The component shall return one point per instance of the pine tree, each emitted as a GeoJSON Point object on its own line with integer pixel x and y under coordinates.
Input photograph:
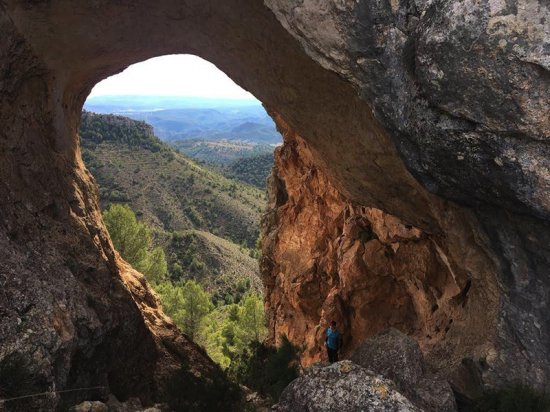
{"type": "Point", "coordinates": [130, 238]}
{"type": "Point", "coordinates": [157, 268]}
{"type": "Point", "coordinates": [252, 320]}
{"type": "Point", "coordinates": [196, 305]}
{"type": "Point", "coordinates": [172, 301]}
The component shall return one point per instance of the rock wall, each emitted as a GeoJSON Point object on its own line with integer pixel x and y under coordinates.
{"type": "Point", "coordinates": [76, 314]}
{"type": "Point", "coordinates": [461, 89]}
{"type": "Point", "coordinates": [328, 258]}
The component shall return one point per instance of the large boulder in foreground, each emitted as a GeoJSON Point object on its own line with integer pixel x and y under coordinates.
{"type": "Point", "coordinates": [342, 387]}
{"type": "Point", "coordinates": [393, 355]}
{"type": "Point", "coordinates": [396, 356]}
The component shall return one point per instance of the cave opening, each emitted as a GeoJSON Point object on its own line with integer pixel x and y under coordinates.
{"type": "Point", "coordinates": [394, 303]}
{"type": "Point", "coordinates": [181, 155]}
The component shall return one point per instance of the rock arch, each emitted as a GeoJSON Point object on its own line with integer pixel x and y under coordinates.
{"type": "Point", "coordinates": [373, 93]}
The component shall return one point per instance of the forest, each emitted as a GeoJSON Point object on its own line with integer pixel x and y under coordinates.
{"type": "Point", "coordinates": [193, 233]}
{"type": "Point", "coordinates": [233, 334]}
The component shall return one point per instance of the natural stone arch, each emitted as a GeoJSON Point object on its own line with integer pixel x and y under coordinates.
{"type": "Point", "coordinates": [83, 43]}
{"type": "Point", "coordinates": [326, 84]}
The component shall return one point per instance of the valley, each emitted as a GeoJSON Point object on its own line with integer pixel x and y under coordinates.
{"type": "Point", "coordinates": [183, 118]}
{"type": "Point", "coordinates": [207, 224]}
{"type": "Point", "coordinates": [247, 163]}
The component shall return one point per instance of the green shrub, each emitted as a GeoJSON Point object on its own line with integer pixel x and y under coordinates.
{"type": "Point", "coordinates": [517, 398]}
{"type": "Point", "coordinates": [267, 369]}
{"type": "Point", "coordinates": [212, 391]}
{"type": "Point", "coordinates": [193, 215]}
{"type": "Point", "coordinates": [177, 270]}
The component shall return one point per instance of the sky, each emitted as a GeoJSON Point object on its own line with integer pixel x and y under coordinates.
{"type": "Point", "coordinates": [177, 75]}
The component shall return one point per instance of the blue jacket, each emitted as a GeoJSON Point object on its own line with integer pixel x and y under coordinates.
{"type": "Point", "coordinates": [333, 339]}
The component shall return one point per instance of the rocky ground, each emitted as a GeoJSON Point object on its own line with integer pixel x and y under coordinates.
{"type": "Point", "coordinates": [386, 373]}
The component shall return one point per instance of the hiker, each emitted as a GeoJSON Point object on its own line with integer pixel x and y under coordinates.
{"type": "Point", "coordinates": [333, 342]}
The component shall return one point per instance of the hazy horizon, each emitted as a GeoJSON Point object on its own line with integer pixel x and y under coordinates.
{"type": "Point", "coordinates": [167, 97]}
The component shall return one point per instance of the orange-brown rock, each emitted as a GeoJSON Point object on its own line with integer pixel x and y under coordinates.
{"type": "Point", "coordinates": [327, 258]}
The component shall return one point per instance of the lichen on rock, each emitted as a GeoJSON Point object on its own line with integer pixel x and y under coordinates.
{"type": "Point", "coordinates": [345, 387]}
{"type": "Point", "coordinates": [397, 357]}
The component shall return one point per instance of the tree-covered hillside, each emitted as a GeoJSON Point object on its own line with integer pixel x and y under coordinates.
{"type": "Point", "coordinates": [96, 129]}
{"type": "Point", "coordinates": [222, 268]}
{"type": "Point", "coordinates": [206, 224]}
{"type": "Point", "coordinates": [219, 152]}
{"type": "Point", "coordinates": [166, 189]}
{"type": "Point", "coordinates": [253, 170]}
{"type": "Point", "coordinates": [247, 163]}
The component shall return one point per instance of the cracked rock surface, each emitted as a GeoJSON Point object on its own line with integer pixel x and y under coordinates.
{"type": "Point", "coordinates": [397, 357]}
{"type": "Point", "coordinates": [342, 386]}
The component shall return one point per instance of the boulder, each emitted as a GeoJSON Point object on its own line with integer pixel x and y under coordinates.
{"type": "Point", "coordinates": [113, 405]}
{"type": "Point", "coordinates": [396, 356]}
{"type": "Point", "coordinates": [88, 406]}
{"type": "Point", "coordinates": [393, 355]}
{"type": "Point", "coordinates": [343, 387]}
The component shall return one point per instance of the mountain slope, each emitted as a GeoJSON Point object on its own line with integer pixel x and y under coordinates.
{"type": "Point", "coordinates": [219, 152]}
{"type": "Point", "coordinates": [166, 189]}
{"type": "Point", "coordinates": [252, 170]}
{"type": "Point", "coordinates": [190, 207]}
{"type": "Point", "coordinates": [221, 267]}
{"type": "Point", "coordinates": [247, 163]}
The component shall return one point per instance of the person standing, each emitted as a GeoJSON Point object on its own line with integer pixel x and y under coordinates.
{"type": "Point", "coordinates": [334, 342]}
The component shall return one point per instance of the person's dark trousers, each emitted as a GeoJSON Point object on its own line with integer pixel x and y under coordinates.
{"type": "Point", "coordinates": [332, 355]}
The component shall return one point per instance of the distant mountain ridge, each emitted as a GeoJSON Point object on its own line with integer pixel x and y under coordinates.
{"type": "Point", "coordinates": [151, 103]}
{"type": "Point", "coordinates": [182, 118]}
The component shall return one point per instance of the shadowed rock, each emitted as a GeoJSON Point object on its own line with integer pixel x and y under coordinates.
{"type": "Point", "coordinates": [395, 356]}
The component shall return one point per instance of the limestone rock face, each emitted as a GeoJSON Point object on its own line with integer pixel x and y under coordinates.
{"type": "Point", "coordinates": [327, 258]}
{"type": "Point", "coordinates": [397, 357]}
{"type": "Point", "coordinates": [76, 314]}
{"type": "Point", "coordinates": [462, 85]}
{"type": "Point", "coordinates": [345, 387]}
{"type": "Point", "coordinates": [461, 88]}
